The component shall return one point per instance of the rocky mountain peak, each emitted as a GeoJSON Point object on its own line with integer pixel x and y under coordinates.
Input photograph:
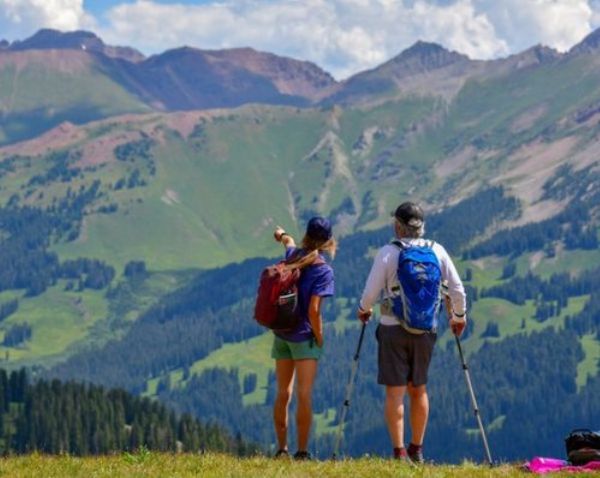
{"type": "Point", "coordinates": [290, 76]}
{"type": "Point", "coordinates": [54, 39]}
{"type": "Point", "coordinates": [589, 44]}
{"type": "Point", "coordinates": [47, 38]}
{"type": "Point", "coordinates": [544, 53]}
{"type": "Point", "coordinates": [424, 56]}
{"type": "Point", "coordinates": [536, 55]}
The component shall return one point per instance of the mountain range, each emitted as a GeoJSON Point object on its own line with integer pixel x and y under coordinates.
{"type": "Point", "coordinates": [138, 196]}
{"type": "Point", "coordinates": [85, 79]}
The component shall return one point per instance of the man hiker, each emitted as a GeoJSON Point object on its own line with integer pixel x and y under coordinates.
{"type": "Point", "coordinates": [407, 275]}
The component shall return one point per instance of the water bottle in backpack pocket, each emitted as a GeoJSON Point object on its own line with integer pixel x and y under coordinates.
{"type": "Point", "coordinates": [287, 310]}
{"type": "Point", "coordinates": [418, 295]}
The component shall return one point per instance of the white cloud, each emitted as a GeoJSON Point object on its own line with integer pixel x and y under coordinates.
{"type": "Point", "coordinates": [556, 23]}
{"type": "Point", "coordinates": [342, 36]}
{"type": "Point", "coordinates": [460, 27]}
{"type": "Point", "coordinates": [20, 18]}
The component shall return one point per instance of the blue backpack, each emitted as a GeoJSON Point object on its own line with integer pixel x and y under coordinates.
{"type": "Point", "coordinates": [419, 297]}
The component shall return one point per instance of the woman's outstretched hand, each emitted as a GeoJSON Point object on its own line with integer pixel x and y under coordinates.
{"type": "Point", "coordinates": [278, 233]}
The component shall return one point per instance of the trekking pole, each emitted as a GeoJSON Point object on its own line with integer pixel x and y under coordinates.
{"type": "Point", "coordinates": [349, 388]}
{"type": "Point", "coordinates": [465, 367]}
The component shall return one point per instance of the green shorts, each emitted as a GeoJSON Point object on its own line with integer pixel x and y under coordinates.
{"type": "Point", "coordinates": [283, 349]}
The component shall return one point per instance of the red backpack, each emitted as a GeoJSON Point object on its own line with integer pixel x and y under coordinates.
{"type": "Point", "coordinates": [277, 298]}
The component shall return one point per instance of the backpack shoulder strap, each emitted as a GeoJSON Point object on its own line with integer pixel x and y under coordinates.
{"type": "Point", "coordinates": [398, 243]}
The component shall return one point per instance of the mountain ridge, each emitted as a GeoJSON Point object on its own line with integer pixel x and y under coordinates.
{"type": "Point", "coordinates": [47, 39]}
{"type": "Point", "coordinates": [189, 78]}
{"type": "Point", "coordinates": [589, 44]}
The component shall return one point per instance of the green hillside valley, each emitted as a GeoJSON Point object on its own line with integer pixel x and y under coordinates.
{"type": "Point", "coordinates": [138, 199]}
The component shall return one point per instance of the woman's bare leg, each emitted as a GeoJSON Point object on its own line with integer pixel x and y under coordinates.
{"type": "Point", "coordinates": [284, 372]}
{"type": "Point", "coordinates": [306, 371]}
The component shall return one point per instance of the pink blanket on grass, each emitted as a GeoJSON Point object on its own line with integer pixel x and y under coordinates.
{"type": "Point", "coordinates": [548, 465]}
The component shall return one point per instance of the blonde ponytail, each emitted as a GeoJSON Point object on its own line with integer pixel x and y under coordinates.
{"type": "Point", "coordinates": [315, 246]}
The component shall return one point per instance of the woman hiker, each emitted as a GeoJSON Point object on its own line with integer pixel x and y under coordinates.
{"type": "Point", "coordinates": [296, 352]}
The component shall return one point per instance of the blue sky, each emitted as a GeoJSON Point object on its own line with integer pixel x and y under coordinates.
{"type": "Point", "coordinates": [98, 7]}
{"type": "Point", "coordinates": [342, 36]}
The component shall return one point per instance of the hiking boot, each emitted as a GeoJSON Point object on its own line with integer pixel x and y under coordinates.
{"type": "Point", "coordinates": [415, 453]}
{"type": "Point", "coordinates": [281, 454]}
{"type": "Point", "coordinates": [302, 455]}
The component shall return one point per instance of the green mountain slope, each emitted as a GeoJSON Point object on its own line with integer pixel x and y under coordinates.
{"type": "Point", "coordinates": [43, 88]}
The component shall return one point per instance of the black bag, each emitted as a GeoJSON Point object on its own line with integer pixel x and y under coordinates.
{"type": "Point", "coordinates": [583, 446]}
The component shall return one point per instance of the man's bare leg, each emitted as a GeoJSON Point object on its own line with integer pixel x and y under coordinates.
{"type": "Point", "coordinates": [394, 414]}
{"type": "Point", "coordinates": [419, 412]}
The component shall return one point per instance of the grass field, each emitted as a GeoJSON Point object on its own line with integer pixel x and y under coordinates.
{"type": "Point", "coordinates": [149, 465]}
{"type": "Point", "coordinates": [249, 356]}
{"type": "Point", "coordinates": [564, 261]}
{"type": "Point", "coordinates": [62, 320]}
{"type": "Point", "coordinates": [511, 319]}
{"type": "Point", "coordinates": [59, 319]}
{"type": "Point", "coordinates": [588, 367]}
{"type": "Point", "coordinates": [325, 422]}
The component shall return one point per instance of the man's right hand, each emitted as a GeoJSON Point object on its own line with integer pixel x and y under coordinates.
{"type": "Point", "coordinates": [364, 315]}
{"type": "Point", "coordinates": [458, 325]}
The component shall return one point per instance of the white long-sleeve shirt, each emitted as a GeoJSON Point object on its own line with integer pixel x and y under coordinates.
{"type": "Point", "coordinates": [383, 277]}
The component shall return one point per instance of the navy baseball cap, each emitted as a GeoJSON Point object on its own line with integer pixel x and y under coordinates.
{"type": "Point", "coordinates": [319, 228]}
{"type": "Point", "coordinates": [410, 214]}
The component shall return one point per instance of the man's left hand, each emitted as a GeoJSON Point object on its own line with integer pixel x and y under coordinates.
{"type": "Point", "coordinates": [364, 315]}
{"type": "Point", "coordinates": [458, 325]}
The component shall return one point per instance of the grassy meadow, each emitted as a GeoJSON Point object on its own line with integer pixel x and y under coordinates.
{"type": "Point", "coordinates": [148, 464]}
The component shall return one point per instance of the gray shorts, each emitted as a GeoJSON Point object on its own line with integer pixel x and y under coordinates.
{"type": "Point", "coordinates": [403, 357]}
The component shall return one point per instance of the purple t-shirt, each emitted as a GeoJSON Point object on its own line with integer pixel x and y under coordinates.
{"type": "Point", "coordinates": [314, 280]}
